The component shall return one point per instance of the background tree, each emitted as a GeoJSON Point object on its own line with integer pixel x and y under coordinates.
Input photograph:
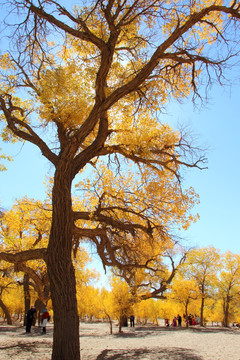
{"type": "Point", "coordinates": [229, 284]}
{"type": "Point", "coordinates": [155, 311]}
{"type": "Point", "coordinates": [184, 291]}
{"type": "Point", "coordinates": [202, 266]}
{"type": "Point", "coordinates": [122, 301]}
{"type": "Point", "coordinates": [26, 227]}
{"type": "Point", "coordinates": [142, 311]}
{"type": "Point", "coordinates": [106, 307]}
{"type": "Point", "coordinates": [153, 280]}
{"type": "Point", "coordinates": [87, 294]}
{"type": "Point", "coordinates": [6, 283]}
{"type": "Point", "coordinates": [214, 310]}
{"type": "Point", "coordinates": [98, 93]}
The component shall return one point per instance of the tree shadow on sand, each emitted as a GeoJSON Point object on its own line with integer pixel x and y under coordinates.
{"type": "Point", "coordinates": [149, 354]}
{"type": "Point", "coordinates": [23, 348]}
{"type": "Point", "coordinates": [19, 347]}
{"type": "Point", "coordinates": [8, 328]}
{"type": "Point", "coordinates": [143, 331]}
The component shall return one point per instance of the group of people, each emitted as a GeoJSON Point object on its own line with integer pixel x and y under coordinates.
{"type": "Point", "coordinates": [31, 319]}
{"type": "Point", "coordinates": [192, 319]}
{"type": "Point", "coordinates": [189, 320]}
{"type": "Point", "coordinates": [177, 321]}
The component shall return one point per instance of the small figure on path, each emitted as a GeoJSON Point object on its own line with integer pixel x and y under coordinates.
{"type": "Point", "coordinates": [30, 318]}
{"type": "Point", "coordinates": [174, 323]}
{"type": "Point", "coordinates": [44, 319]}
{"type": "Point", "coordinates": [179, 319]}
{"type": "Point", "coordinates": [132, 321]}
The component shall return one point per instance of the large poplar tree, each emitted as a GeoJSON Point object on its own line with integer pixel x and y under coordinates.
{"type": "Point", "coordinates": [85, 86]}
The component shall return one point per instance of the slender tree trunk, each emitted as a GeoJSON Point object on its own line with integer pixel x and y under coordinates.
{"type": "Point", "coordinates": [202, 307]}
{"type": "Point", "coordinates": [27, 298]}
{"type": "Point", "coordinates": [120, 326]}
{"type": "Point", "coordinates": [61, 273]}
{"type": "Point", "coordinates": [110, 324]}
{"type": "Point", "coordinates": [6, 312]}
{"type": "Point", "coordinates": [226, 311]}
{"type": "Point", "coordinates": [223, 308]}
{"type": "Point", "coordinates": [186, 312]}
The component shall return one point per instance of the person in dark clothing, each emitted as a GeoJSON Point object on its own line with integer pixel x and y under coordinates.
{"type": "Point", "coordinates": [30, 318]}
{"type": "Point", "coordinates": [179, 319]}
{"type": "Point", "coordinates": [132, 321]}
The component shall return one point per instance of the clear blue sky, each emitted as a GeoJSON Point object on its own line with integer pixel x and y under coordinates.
{"type": "Point", "coordinates": [217, 125]}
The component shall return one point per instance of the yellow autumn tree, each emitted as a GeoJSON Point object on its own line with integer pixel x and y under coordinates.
{"type": "Point", "coordinates": [87, 295]}
{"type": "Point", "coordinates": [149, 310]}
{"type": "Point", "coordinates": [154, 311]}
{"type": "Point", "coordinates": [93, 96]}
{"type": "Point", "coordinates": [142, 311]}
{"type": "Point", "coordinates": [106, 307]}
{"type": "Point", "coordinates": [11, 294]}
{"type": "Point", "coordinates": [167, 310]}
{"type": "Point", "coordinates": [229, 285]}
{"type": "Point", "coordinates": [137, 212]}
{"type": "Point", "coordinates": [236, 314]}
{"type": "Point", "coordinates": [88, 302]}
{"type": "Point", "coordinates": [184, 291]}
{"type": "Point", "coordinates": [6, 285]}
{"type": "Point", "coordinates": [25, 227]}
{"type": "Point", "coordinates": [122, 301]}
{"type": "Point", "coordinates": [214, 311]}
{"type": "Point", "coordinates": [202, 265]}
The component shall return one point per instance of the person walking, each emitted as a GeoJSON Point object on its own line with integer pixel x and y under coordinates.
{"type": "Point", "coordinates": [30, 318]}
{"type": "Point", "coordinates": [132, 321]}
{"type": "Point", "coordinates": [44, 319]}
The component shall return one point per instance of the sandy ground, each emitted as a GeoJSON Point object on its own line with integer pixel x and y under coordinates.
{"type": "Point", "coordinates": [140, 343]}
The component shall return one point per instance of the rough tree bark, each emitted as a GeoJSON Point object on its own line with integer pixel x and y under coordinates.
{"type": "Point", "coordinates": [61, 272]}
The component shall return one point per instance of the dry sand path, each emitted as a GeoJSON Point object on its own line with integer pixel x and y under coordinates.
{"type": "Point", "coordinates": [141, 343]}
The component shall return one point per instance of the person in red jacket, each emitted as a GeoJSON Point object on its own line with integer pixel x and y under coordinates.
{"type": "Point", "coordinates": [44, 319]}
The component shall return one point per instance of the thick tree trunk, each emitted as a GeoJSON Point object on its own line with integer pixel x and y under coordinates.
{"type": "Point", "coordinates": [61, 274]}
{"type": "Point", "coordinates": [6, 312]}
